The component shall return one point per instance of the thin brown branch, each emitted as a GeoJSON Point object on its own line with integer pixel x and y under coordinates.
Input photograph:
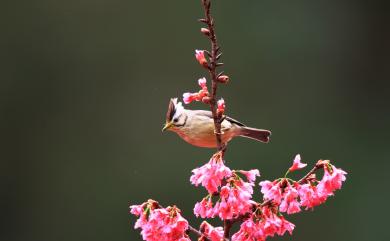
{"type": "Point", "coordinates": [194, 230]}
{"type": "Point", "coordinates": [313, 170]}
{"type": "Point", "coordinates": [214, 56]}
{"type": "Point", "coordinates": [227, 225]}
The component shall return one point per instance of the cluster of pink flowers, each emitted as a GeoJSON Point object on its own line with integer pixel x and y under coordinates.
{"type": "Point", "coordinates": [159, 223]}
{"type": "Point", "coordinates": [211, 174]}
{"type": "Point", "coordinates": [210, 233]}
{"type": "Point", "coordinates": [292, 195]}
{"type": "Point", "coordinates": [233, 190]}
{"type": "Point", "coordinates": [201, 95]}
{"type": "Point", "coordinates": [263, 223]}
{"type": "Point", "coordinates": [234, 197]}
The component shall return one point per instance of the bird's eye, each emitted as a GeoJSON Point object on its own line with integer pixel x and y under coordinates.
{"type": "Point", "coordinates": [175, 120]}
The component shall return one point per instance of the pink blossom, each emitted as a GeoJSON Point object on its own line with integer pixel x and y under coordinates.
{"type": "Point", "coordinates": [211, 174]}
{"type": "Point", "coordinates": [285, 226]}
{"type": "Point", "coordinates": [259, 227]}
{"type": "Point", "coordinates": [297, 164]}
{"type": "Point", "coordinates": [290, 203]}
{"type": "Point", "coordinates": [249, 230]}
{"type": "Point", "coordinates": [251, 174]}
{"type": "Point", "coordinates": [310, 197]}
{"type": "Point", "coordinates": [212, 233]}
{"type": "Point", "coordinates": [204, 208]}
{"type": "Point", "coordinates": [137, 210]}
{"type": "Point", "coordinates": [332, 180]}
{"type": "Point", "coordinates": [271, 190]}
{"type": "Point", "coordinates": [200, 95]}
{"type": "Point", "coordinates": [199, 54]}
{"type": "Point", "coordinates": [275, 224]}
{"type": "Point", "coordinates": [189, 97]}
{"type": "Point", "coordinates": [202, 82]}
{"type": "Point", "coordinates": [235, 199]}
{"type": "Point", "coordinates": [221, 106]}
{"type": "Point", "coordinates": [160, 223]}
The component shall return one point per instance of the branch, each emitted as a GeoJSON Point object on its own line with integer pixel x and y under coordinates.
{"type": "Point", "coordinates": [194, 230]}
{"type": "Point", "coordinates": [227, 225]}
{"type": "Point", "coordinates": [214, 56]}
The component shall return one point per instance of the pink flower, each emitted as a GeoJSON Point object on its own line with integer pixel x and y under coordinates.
{"type": "Point", "coordinates": [271, 190]}
{"type": "Point", "coordinates": [285, 226]}
{"type": "Point", "coordinates": [332, 180]}
{"type": "Point", "coordinates": [297, 164]}
{"type": "Point", "coordinates": [249, 230]}
{"type": "Point", "coordinates": [290, 203]}
{"type": "Point", "coordinates": [211, 174]}
{"type": "Point", "coordinates": [310, 197]}
{"type": "Point", "coordinates": [275, 224]}
{"type": "Point", "coordinates": [251, 174]}
{"type": "Point", "coordinates": [211, 233]}
{"type": "Point", "coordinates": [260, 226]}
{"type": "Point", "coordinates": [199, 54]}
{"type": "Point", "coordinates": [235, 199]}
{"type": "Point", "coordinates": [221, 106]}
{"type": "Point", "coordinates": [189, 97]}
{"type": "Point", "coordinates": [137, 210]}
{"type": "Point", "coordinates": [160, 223]}
{"type": "Point", "coordinates": [204, 208]}
{"type": "Point", "coordinates": [200, 95]}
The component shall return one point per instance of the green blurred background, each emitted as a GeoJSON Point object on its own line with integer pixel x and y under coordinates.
{"type": "Point", "coordinates": [84, 87]}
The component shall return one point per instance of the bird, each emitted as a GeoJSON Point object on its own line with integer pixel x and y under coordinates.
{"type": "Point", "coordinates": [197, 127]}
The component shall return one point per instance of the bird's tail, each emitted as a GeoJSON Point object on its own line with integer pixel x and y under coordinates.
{"type": "Point", "coordinates": [256, 134]}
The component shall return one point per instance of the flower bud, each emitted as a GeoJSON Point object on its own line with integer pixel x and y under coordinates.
{"type": "Point", "coordinates": [206, 100]}
{"type": "Point", "coordinates": [205, 31]}
{"type": "Point", "coordinates": [202, 82]}
{"type": "Point", "coordinates": [199, 54]}
{"type": "Point", "coordinates": [223, 79]}
{"type": "Point", "coordinates": [221, 106]}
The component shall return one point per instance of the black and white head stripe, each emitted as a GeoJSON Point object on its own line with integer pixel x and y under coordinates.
{"type": "Point", "coordinates": [173, 108]}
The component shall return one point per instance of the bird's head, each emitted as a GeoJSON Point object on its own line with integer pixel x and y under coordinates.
{"type": "Point", "coordinates": [176, 116]}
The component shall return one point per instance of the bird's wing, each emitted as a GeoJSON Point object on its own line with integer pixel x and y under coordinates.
{"type": "Point", "coordinates": [210, 115]}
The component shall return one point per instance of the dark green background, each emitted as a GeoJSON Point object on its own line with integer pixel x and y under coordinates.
{"type": "Point", "coordinates": [84, 87]}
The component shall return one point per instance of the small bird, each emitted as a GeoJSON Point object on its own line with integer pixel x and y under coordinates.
{"type": "Point", "coordinates": [197, 126]}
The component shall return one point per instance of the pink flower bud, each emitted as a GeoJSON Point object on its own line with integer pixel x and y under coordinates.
{"type": "Point", "coordinates": [199, 54]}
{"type": "Point", "coordinates": [206, 100]}
{"type": "Point", "coordinates": [202, 82]}
{"type": "Point", "coordinates": [221, 106]}
{"type": "Point", "coordinates": [205, 31]}
{"type": "Point", "coordinates": [223, 79]}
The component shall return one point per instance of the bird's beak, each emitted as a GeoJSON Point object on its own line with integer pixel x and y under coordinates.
{"type": "Point", "coordinates": [167, 126]}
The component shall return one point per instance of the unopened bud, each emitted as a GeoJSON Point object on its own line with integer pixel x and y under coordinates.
{"type": "Point", "coordinates": [199, 54]}
{"type": "Point", "coordinates": [205, 31]}
{"type": "Point", "coordinates": [206, 100]}
{"type": "Point", "coordinates": [223, 79]}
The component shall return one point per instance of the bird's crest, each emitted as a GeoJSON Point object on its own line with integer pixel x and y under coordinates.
{"type": "Point", "coordinates": [173, 108]}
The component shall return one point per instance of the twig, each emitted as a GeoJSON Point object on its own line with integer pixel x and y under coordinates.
{"type": "Point", "coordinates": [194, 230]}
{"type": "Point", "coordinates": [313, 170]}
{"type": "Point", "coordinates": [214, 56]}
